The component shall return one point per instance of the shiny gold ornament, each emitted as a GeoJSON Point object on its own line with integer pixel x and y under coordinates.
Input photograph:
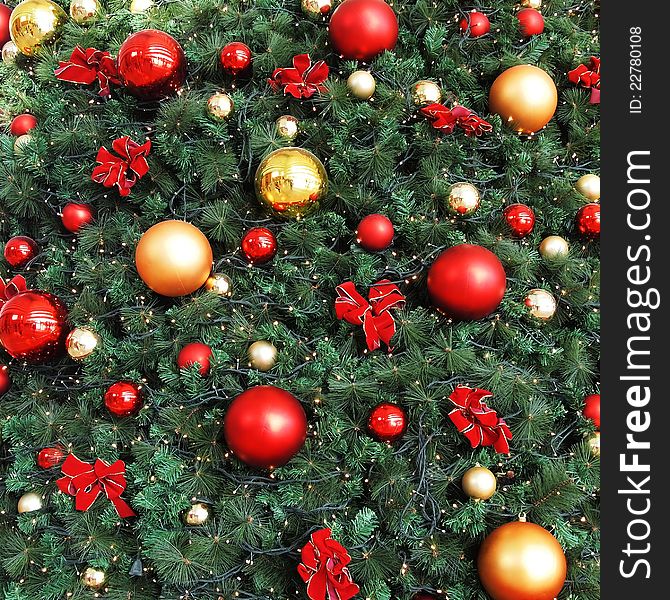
{"type": "Point", "coordinates": [541, 304]}
{"type": "Point", "coordinates": [140, 6]}
{"type": "Point", "coordinates": [93, 578]}
{"type": "Point", "coordinates": [525, 97]}
{"type": "Point", "coordinates": [82, 342]}
{"type": "Point", "coordinates": [198, 514]}
{"type": "Point", "coordinates": [316, 8]}
{"type": "Point", "coordinates": [479, 483]}
{"type": "Point", "coordinates": [288, 127]}
{"type": "Point", "coordinates": [29, 502]}
{"type": "Point", "coordinates": [594, 443]}
{"type": "Point", "coordinates": [362, 84]}
{"type": "Point", "coordinates": [463, 199]}
{"type": "Point", "coordinates": [426, 92]}
{"type": "Point", "coordinates": [220, 106]}
{"type": "Point", "coordinates": [21, 142]}
{"type": "Point", "coordinates": [262, 355]}
{"type": "Point", "coordinates": [219, 284]}
{"type": "Point", "coordinates": [9, 52]}
{"type": "Point", "coordinates": [291, 182]}
{"type": "Point", "coordinates": [536, 4]}
{"type": "Point", "coordinates": [554, 246]}
{"type": "Point", "coordinates": [589, 187]}
{"type": "Point", "coordinates": [34, 23]}
{"type": "Point", "coordinates": [84, 11]}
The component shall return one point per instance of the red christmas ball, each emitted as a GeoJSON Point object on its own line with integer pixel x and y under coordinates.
{"type": "Point", "coordinates": [235, 58]}
{"type": "Point", "coordinates": [22, 124]}
{"type": "Point", "coordinates": [265, 426]}
{"type": "Point", "coordinates": [531, 22]}
{"type": "Point", "coordinates": [478, 23]}
{"type": "Point", "coordinates": [75, 216]}
{"type": "Point", "coordinates": [195, 353]}
{"type": "Point", "coordinates": [20, 250]}
{"type": "Point", "coordinates": [520, 218]}
{"type": "Point", "coordinates": [5, 13]}
{"type": "Point", "coordinates": [588, 220]}
{"type": "Point", "coordinates": [48, 458]}
{"type": "Point", "coordinates": [151, 64]}
{"type": "Point", "coordinates": [467, 282]}
{"type": "Point", "coordinates": [5, 380]}
{"type": "Point", "coordinates": [375, 232]}
{"type": "Point", "coordinates": [123, 398]}
{"type": "Point", "coordinates": [33, 326]}
{"type": "Point", "coordinates": [259, 245]}
{"type": "Point", "coordinates": [387, 422]}
{"type": "Point", "coordinates": [592, 409]}
{"type": "Point", "coordinates": [362, 29]}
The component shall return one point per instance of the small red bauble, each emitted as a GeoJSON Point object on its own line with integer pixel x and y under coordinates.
{"type": "Point", "coordinates": [362, 29]}
{"type": "Point", "coordinates": [5, 380]}
{"type": "Point", "coordinates": [195, 353]}
{"type": "Point", "coordinates": [478, 23]}
{"type": "Point", "coordinates": [5, 13]}
{"type": "Point", "coordinates": [265, 426]}
{"type": "Point", "coordinates": [259, 245]}
{"type": "Point", "coordinates": [387, 422]}
{"type": "Point", "coordinates": [531, 22]}
{"type": "Point", "coordinates": [48, 458]}
{"type": "Point", "coordinates": [520, 218]}
{"type": "Point", "coordinates": [123, 398]}
{"type": "Point", "coordinates": [467, 282]}
{"type": "Point", "coordinates": [592, 409]}
{"type": "Point", "coordinates": [20, 250]}
{"type": "Point", "coordinates": [235, 58]}
{"type": "Point", "coordinates": [375, 232]}
{"type": "Point", "coordinates": [75, 216]}
{"type": "Point", "coordinates": [588, 220]}
{"type": "Point", "coordinates": [151, 64]}
{"type": "Point", "coordinates": [22, 124]}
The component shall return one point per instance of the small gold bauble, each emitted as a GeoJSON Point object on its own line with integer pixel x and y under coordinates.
{"type": "Point", "coordinates": [589, 187]}
{"type": "Point", "coordinates": [198, 514]}
{"type": "Point", "coordinates": [287, 127]}
{"type": "Point", "coordinates": [93, 578]}
{"type": "Point", "coordinates": [9, 52]}
{"type": "Point", "coordinates": [426, 92]}
{"type": "Point", "coordinates": [541, 304]}
{"type": "Point", "coordinates": [140, 6]}
{"type": "Point", "coordinates": [316, 8]}
{"type": "Point", "coordinates": [262, 355]}
{"type": "Point", "coordinates": [362, 84]}
{"type": "Point", "coordinates": [29, 502]}
{"type": "Point", "coordinates": [34, 23]}
{"type": "Point", "coordinates": [219, 284]}
{"type": "Point", "coordinates": [479, 483]}
{"type": "Point", "coordinates": [554, 246]}
{"type": "Point", "coordinates": [84, 11]}
{"type": "Point", "coordinates": [463, 199]}
{"type": "Point", "coordinates": [594, 443]}
{"type": "Point", "coordinates": [82, 342]}
{"type": "Point", "coordinates": [536, 4]}
{"type": "Point", "coordinates": [21, 142]}
{"type": "Point", "coordinates": [220, 106]}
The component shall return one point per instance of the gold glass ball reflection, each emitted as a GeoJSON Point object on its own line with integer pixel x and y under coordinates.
{"type": "Point", "coordinates": [589, 187]}
{"type": "Point", "coordinates": [536, 4]}
{"type": "Point", "coordinates": [291, 182]}
{"type": "Point", "coordinates": [262, 355]}
{"type": "Point", "coordinates": [288, 127]}
{"type": "Point", "coordinates": [82, 342]}
{"type": "Point", "coordinates": [316, 8]}
{"type": "Point", "coordinates": [219, 284]}
{"type": "Point", "coordinates": [479, 483]}
{"type": "Point", "coordinates": [140, 6]}
{"type": "Point", "coordinates": [34, 23]}
{"type": "Point", "coordinates": [29, 502]}
{"type": "Point", "coordinates": [362, 84]}
{"type": "Point", "coordinates": [198, 514]}
{"type": "Point", "coordinates": [554, 246]}
{"type": "Point", "coordinates": [84, 11]}
{"type": "Point", "coordinates": [594, 443]}
{"type": "Point", "coordinates": [93, 578]}
{"type": "Point", "coordinates": [9, 52]}
{"type": "Point", "coordinates": [220, 106]}
{"type": "Point", "coordinates": [541, 304]}
{"type": "Point", "coordinates": [21, 142]}
{"type": "Point", "coordinates": [426, 92]}
{"type": "Point", "coordinates": [463, 199]}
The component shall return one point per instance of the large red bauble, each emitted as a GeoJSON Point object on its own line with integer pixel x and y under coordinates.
{"type": "Point", "coordinates": [478, 23]}
{"type": "Point", "coordinates": [235, 58]}
{"type": "Point", "coordinates": [123, 398]}
{"type": "Point", "coordinates": [20, 250]}
{"type": "Point", "coordinates": [48, 458]}
{"type": "Point", "coordinates": [22, 124]}
{"type": "Point", "coordinates": [259, 245]}
{"type": "Point", "coordinates": [33, 326]}
{"type": "Point", "coordinates": [592, 409]}
{"type": "Point", "coordinates": [5, 380]}
{"type": "Point", "coordinates": [265, 426]}
{"type": "Point", "coordinates": [387, 422]}
{"type": "Point", "coordinates": [520, 218]}
{"type": "Point", "coordinates": [151, 64]}
{"type": "Point", "coordinates": [195, 353]}
{"type": "Point", "coordinates": [467, 282]}
{"type": "Point", "coordinates": [531, 22]}
{"type": "Point", "coordinates": [5, 13]}
{"type": "Point", "coordinates": [75, 216]}
{"type": "Point", "coordinates": [362, 29]}
{"type": "Point", "coordinates": [375, 232]}
{"type": "Point", "coordinates": [588, 220]}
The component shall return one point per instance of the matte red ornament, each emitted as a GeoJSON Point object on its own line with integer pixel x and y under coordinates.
{"type": "Point", "coordinates": [75, 216]}
{"type": "Point", "coordinates": [259, 245]}
{"type": "Point", "coordinates": [22, 124]}
{"type": "Point", "coordinates": [265, 426]}
{"type": "Point", "coordinates": [5, 380]}
{"type": "Point", "coordinates": [48, 458]}
{"type": "Point", "coordinates": [588, 220]}
{"type": "Point", "coordinates": [467, 282]}
{"type": "Point", "coordinates": [520, 218]}
{"type": "Point", "coordinates": [477, 22]}
{"type": "Point", "coordinates": [531, 22]}
{"type": "Point", "coordinates": [151, 64]}
{"type": "Point", "coordinates": [123, 398]}
{"type": "Point", "coordinates": [5, 13]}
{"type": "Point", "coordinates": [195, 353]}
{"type": "Point", "coordinates": [592, 409]}
{"type": "Point", "coordinates": [375, 232]}
{"type": "Point", "coordinates": [362, 29]}
{"type": "Point", "coordinates": [387, 422]}
{"type": "Point", "coordinates": [235, 58]}
{"type": "Point", "coordinates": [20, 250]}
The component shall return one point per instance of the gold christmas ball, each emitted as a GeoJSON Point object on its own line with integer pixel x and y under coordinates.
{"type": "Point", "coordinates": [525, 97]}
{"type": "Point", "coordinates": [9, 52]}
{"type": "Point", "coordinates": [362, 84]}
{"type": "Point", "coordinates": [463, 199]}
{"type": "Point", "coordinates": [34, 23]}
{"type": "Point", "coordinates": [262, 355]}
{"type": "Point", "coordinates": [479, 483]}
{"type": "Point", "coordinates": [140, 6]}
{"type": "Point", "coordinates": [82, 342]}
{"type": "Point", "coordinates": [316, 8]}
{"type": "Point", "coordinates": [291, 182]}
{"type": "Point", "coordinates": [426, 92]}
{"type": "Point", "coordinates": [198, 514]}
{"type": "Point", "coordinates": [594, 443]}
{"type": "Point", "coordinates": [288, 127]}
{"type": "Point", "coordinates": [174, 258]}
{"type": "Point", "coordinates": [554, 246]}
{"type": "Point", "coordinates": [21, 142]}
{"type": "Point", "coordinates": [219, 284]}
{"type": "Point", "coordinates": [84, 11]}
{"type": "Point", "coordinates": [29, 502]}
{"type": "Point", "coordinates": [220, 106]}
{"type": "Point", "coordinates": [541, 304]}
{"type": "Point", "coordinates": [93, 578]}
{"type": "Point", "coordinates": [589, 187]}
{"type": "Point", "coordinates": [536, 4]}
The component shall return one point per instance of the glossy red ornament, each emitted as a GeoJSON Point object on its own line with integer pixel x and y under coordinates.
{"type": "Point", "coordinates": [467, 282]}
{"type": "Point", "coordinates": [5, 13]}
{"type": "Point", "coordinates": [477, 22]}
{"type": "Point", "coordinates": [5, 380]}
{"type": "Point", "coordinates": [592, 409]}
{"type": "Point", "coordinates": [265, 426]}
{"type": "Point", "coordinates": [123, 398]}
{"type": "Point", "coordinates": [588, 220]}
{"type": "Point", "coordinates": [259, 245]}
{"type": "Point", "coordinates": [22, 124]}
{"type": "Point", "coordinates": [33, 326]}
{"type": "Point", "coordinates": [20, 250]}
{"type": "Point", "coordinates": [195, 353]}
{"type": "Point", "coordinates": [520, 218]}
{"type": "Point", "coordinates": [362, 29]}
{"type": "Point", "coordinates": [75, 216]}
{"type": "Point", "coordinates": [235, 58]}
{"type": "Point", "coordinates": [47, 458]}
{"type": "Point", "coordinates": [375, 232]}
{"type": "Point", "coordinates": [531, 22]}
{"type": "Point", "coordinates": [387, 422]}
{"type": "Point", "coordinates": [151, 64]}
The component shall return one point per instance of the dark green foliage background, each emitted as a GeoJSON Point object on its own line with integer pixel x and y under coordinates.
{"type": "Point", "coordinates": [399, 509]}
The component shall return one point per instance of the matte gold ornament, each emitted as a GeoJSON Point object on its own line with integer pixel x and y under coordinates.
{"type": "Point", "coordinates": [9, 52]}
{"type": "Point", "coordinates": [288, 127]}
{"type": "Point", "coordinates": [33, 23]}
{"type": "Point", "coordinates": [291, 182]}
{"type": "Point", "coordinates": [198, 514]}
{"type": "Point", "coordinates": [219, 284]}
{"type": "Point", "coordinates": [316, 8]}
{"type": "Point", "coordinates": [140, 6]}
{"type": "Point", "coordinates": [541, 304]}
{"type": "Point", "coordinates": [21, 142]}
{"type": "Point", "coordinates": [220, 106]}
{"type": "Point", "coordinates": [554, 246]}
{"type": "Point", "coordinates": [463, 199]}
{"type": "Point", "coordinates": [29, 502]}
{"type": "Point", "coordinates": [262, 355]}
{"type": "Point", "coordinates": [93, 578]}
{"type": "Point", "coordinates": [84, 11]}
{"type": "Point", "coordinates": [589, 187]}
{"type": "Point", "coordinates": [82, 342]}
{"type": "Point", "coordinates": [536, 4]}
{"type": "Point", "coordinates": [426, 92]}
{"type": "Point", "coordinates": [594, 443]}
{"type": "Point", "coordinates": [479, 483]}
{"type": "Point", "coordinates": [362, 84]}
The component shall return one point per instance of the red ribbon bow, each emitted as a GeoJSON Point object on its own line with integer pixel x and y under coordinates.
{"type": "Point", "coordinates": [447, 119]}
{"type": "Point", "coordinates": [85, 66]}
{"type": "Point", "coordinates": [378, 323]}
{"type": "Point", "coordinates": [302, 80]}
{"type": "Point", "coordinates": [86, 482]}
{"type": "Point", "coordinates": [324, 568]}
{"type": "Point", "coordinates": [479, 423]}
{"type": "Point", "coordinates": [11, 288]}
{"type": "Point", "coordinates": [588, 77]}
{"type": "Point", "coordinates": [123, 170]}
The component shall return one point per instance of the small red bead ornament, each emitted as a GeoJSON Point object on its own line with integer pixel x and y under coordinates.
{"type": "Point", "coordinates": [259, 245]}
{"type": "Point", "coordinates": [48, 458]}
{"type": "Point", "coordinates": [531, 22]}
{"type": "Point", "coordinates": [235, 58]}
{"type": "Point", "coordinates": [22, 124]}
{"type": "Point", "coordinates": [123, 398]}
{"type": "Point", "coordinates": [75, 216]}
{"type": "Point", "coordinates": [20, 250]}
{"type": "Point", "coordinates": [387, 422]}
{"type": "Point", "coordinates": [592, 409]}
{"type": "Point", "coordinates": [477, 22]}
{"type": "Point", "coordinates": [520, 218]}
{"type": "Point", "coordinates": [375, 232]}
{"type": "Point", "coordinates": [195, 353]}
{"type": "Point", "coordinates": [588, 220]}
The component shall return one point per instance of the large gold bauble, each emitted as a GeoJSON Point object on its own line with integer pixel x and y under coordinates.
{"type": "Point", "coordinates": [288, 127]}
{"type": "Point", "coordinates": [82, 342]}
{"type": "Point", "coordinates": [361, 84]}
{"type": "Point", "coordinates": [29, 502]}
{"type": "Point", "coordinates": [554, 246]}
{"type": "Point", "coordinates": [525, 97]}
{"type": "Point", "coordinates": [262, 355]}
{"type": "Point", "coordinates": [198, 514]}
{"type": "Point", "coordinates": [291, 182]}
{"type": "Point", "coordinates": [220, 284]}
{"type": "Point", "coordinates": [541, 304]}
{"type": "Point", "coordinates": [589, 187]}
{"type": "Point", "coordinates": [9, 52]}
{"type": "Point", "coordinates": [34, 23]}
{"type": "Point", "coordinates": [479, 483]}
{"type": "Point", "coordinates": [140, 6]}
{"type": "Point", "coordinates": [93, 578]}
{"type": "Point", "coordinates": [174, 258]}
{"type": "Point", "coordinates": [463, 199]}
{"type": "Point", "coordinates": [426, 92]}
{"type": "Point", "coordinates": [84, 11]}
{"type": "Point", "coordinates": [316, 8]}
{"type": "Point", "coordinates": [220, 106]}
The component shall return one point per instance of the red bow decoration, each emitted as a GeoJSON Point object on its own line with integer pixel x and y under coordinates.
{"type": "Point", "coordinates": [14, 286]}
{"type": "Point", "coordinates": [447, 119]}
{"type": "Point", "coordinates": [324, 568]}
{"type": "Point", "coordinates": [85, 66]}
{"type": "Point", "coordinates": [86, 482]}
{"type": "Point", "coordinates": [123, 170]}
{"type": "Point", "coordinates": [302, 80]}
{"type": "Point", "coordinates": [378, 323]}
{"type": "Point", "coordinates": [588, 77]}
{"type": "Point", "coordinates": [479, 423]}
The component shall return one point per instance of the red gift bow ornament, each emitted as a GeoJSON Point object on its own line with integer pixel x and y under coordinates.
{"type": "Point", "coordinates": [85, 66]}
{"type": "Point", "coordinates": [9, 289]}
{"type": "Point", "coordinates": [479, 423]}
{"type": "Point", "coordinates": [447, 119]}
{"type": "Point", "coordinates": [324, 568]}
{"type": "Point", "coordinates": [302, 80]}
{"type": "Point", "coordinates": [378, 323]}
{"type": "Point", "coordinates": [588, 77]}
{"type": "Point", "coordinates": [125, 169]}
{"type": "Point", "coordinates": [86, 482]}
